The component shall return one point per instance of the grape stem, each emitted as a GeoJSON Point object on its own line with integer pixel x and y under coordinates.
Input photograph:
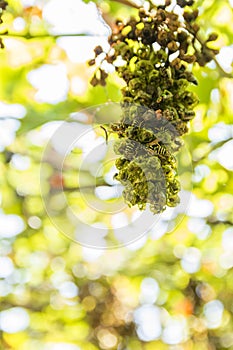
{"type": "Point", "coordinates": [222, 72]}
{"type": "Point", "coordinates": [56, 36]}
{"type": "Point", "coordinates": [220, 69]}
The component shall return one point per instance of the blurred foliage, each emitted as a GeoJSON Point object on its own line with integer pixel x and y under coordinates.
{"type": "Point", "coordinates": [165, 291]}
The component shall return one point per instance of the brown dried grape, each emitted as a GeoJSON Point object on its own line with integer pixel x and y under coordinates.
{"type": "Point", "coordinates": [98, 50]}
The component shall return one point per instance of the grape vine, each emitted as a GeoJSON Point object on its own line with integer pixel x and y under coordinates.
{"type": "Point", "coordinates": [154, 53]}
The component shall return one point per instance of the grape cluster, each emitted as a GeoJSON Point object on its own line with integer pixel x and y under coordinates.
{"type": "Point", "coordinates": [147, 166]}
{"type": "Point", "coordinates": [153, 53]}
{"type": "Point", "coordinates": [3, 5]}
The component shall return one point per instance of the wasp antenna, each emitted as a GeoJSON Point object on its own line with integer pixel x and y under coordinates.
{"type": "Point", "coordinates": [106, 133]}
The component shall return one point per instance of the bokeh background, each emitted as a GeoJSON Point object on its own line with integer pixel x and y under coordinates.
{"type": "Point", "coordinates": [164, 291]}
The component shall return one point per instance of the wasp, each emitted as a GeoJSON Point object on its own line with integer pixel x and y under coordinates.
{"type": "Point", "coordinates": [161, 151]}
{"type": "Point", "coordinates": [152, 143]}
{"type": "Point", "coordinates": [119, 128]}
{"type": "Point", "coordinates": [139, 123]}
{"type": "Point", "coordinates": [130, 148]}
{"type": "Point", "coordinates": [188, 115]}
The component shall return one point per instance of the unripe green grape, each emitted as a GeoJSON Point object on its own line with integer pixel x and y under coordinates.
{"type": "Point", "coordinates": [143, 66]}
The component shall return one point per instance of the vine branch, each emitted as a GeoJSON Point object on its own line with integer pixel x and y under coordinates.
{"type": "Point", "coordinates": [202, 43]}
{"type": "Point", "coordinates": [221, 70]}
{"type": "Point", "coordinates": [28, 36]}
{"type": "Point", "coordinates": [128, 3]}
